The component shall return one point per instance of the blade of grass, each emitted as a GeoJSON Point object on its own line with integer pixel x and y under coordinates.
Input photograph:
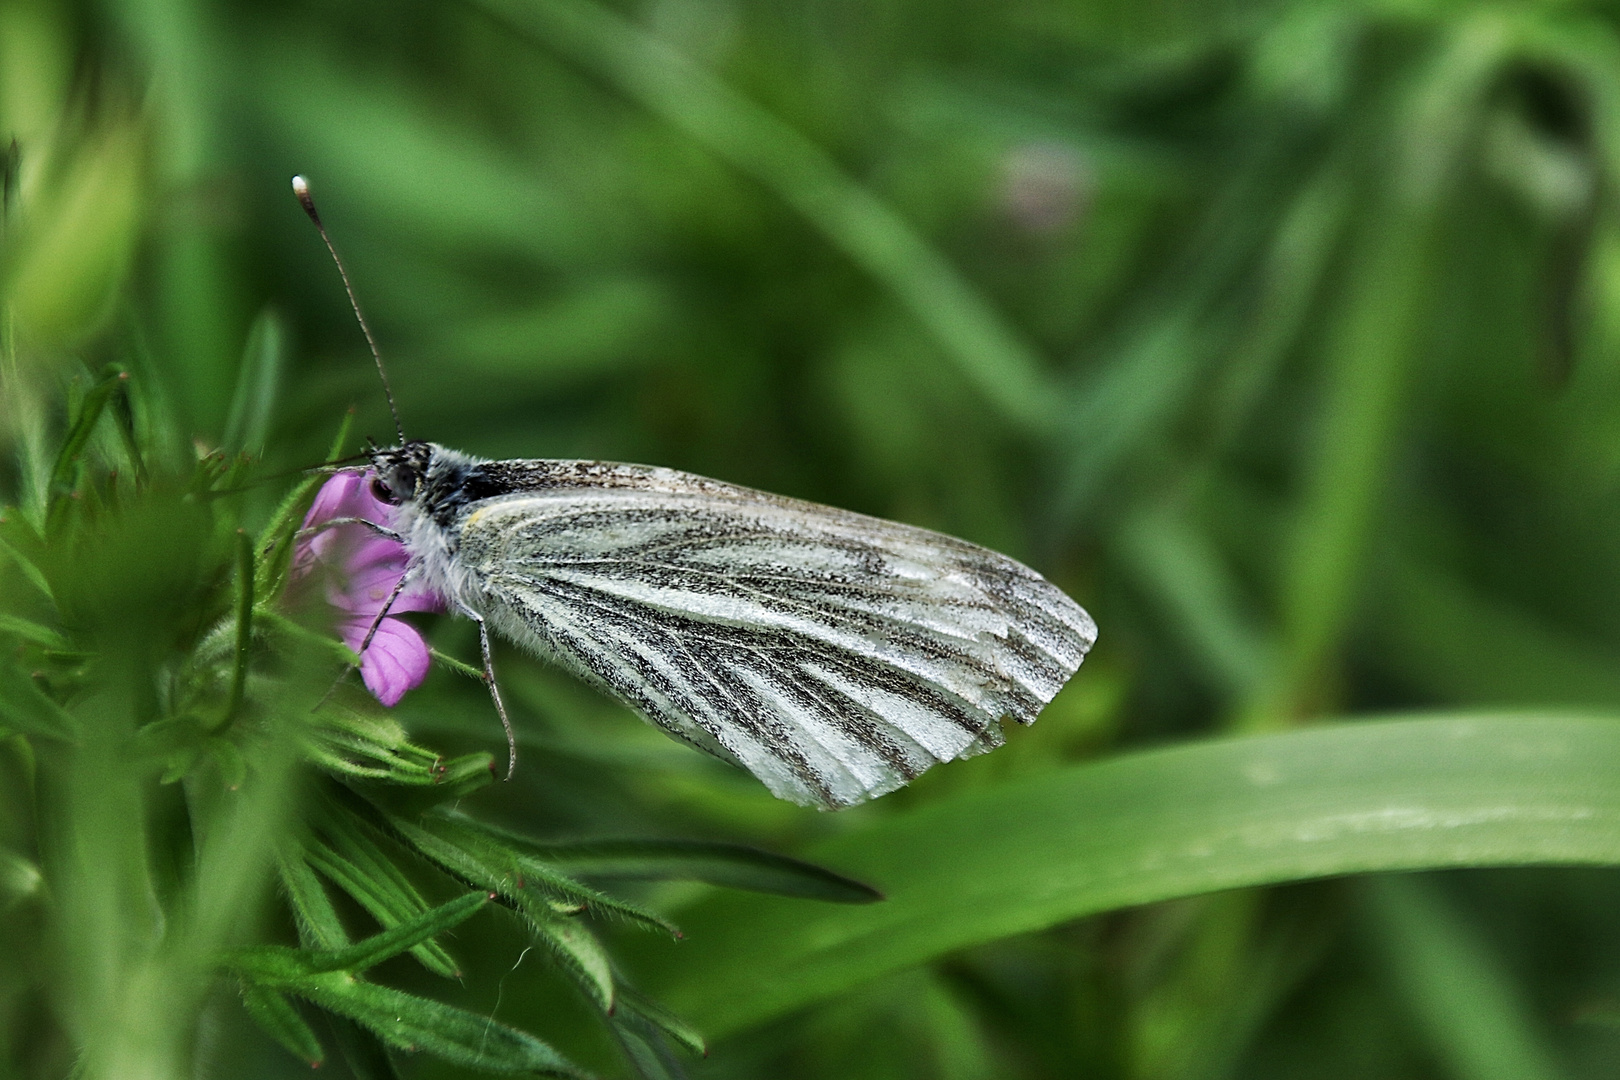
{"type": "Point", "coordinates": [732, 865]}
{"type": "Point", "coordinates": [257, 384]}
{"type": "Point", "coordinates": [357, 865]}
{"type": "Point", "coordinates": [318, 923]}
{"type": "Point", "coordinates": [1461, 645]}
{"type": "Point", "coordinates": [1467, 1006]}
{"type": "Point", "coordinates": [1188, 577]}
{"type": "Point", "coordinates": [1465, 790]}
{"type": "Point", "coordinates": [275, 543]}
{"type": "Point", "coordinates": [1371, 354]}
{"type": "Point", "coordinates": [276, 1015]}
{"type": "Point", "coordinates": [83, 426]}
{"type": "Point", "coordinates": [415, 1024]}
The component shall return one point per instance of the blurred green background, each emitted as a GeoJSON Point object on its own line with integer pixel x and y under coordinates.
{"type": "Point", "coordinates": [1284, 336]}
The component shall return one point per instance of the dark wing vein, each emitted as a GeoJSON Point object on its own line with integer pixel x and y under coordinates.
{"type": "Point", "coordinates": [834, 656]}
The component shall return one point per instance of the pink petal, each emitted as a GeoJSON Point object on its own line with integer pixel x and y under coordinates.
{"type": "Point", "coordinates": [397, 659]}
{"type": "Point", "coordinates": [364, 569]}
{"type": "Point", "coordinates": [346, 494]}
{"type": "Point", "coordinates": [373, 571]}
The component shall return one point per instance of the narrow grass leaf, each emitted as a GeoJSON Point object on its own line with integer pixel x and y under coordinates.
{"type": "Point", "coordinates": [368, 744]}
{"type": "Point", "coordinates": [354, 862]}
{"type": "Point", "coordinates": [1200, 596]}
{"type": "Point", "coordinates": [276, 1015]}
{"type": "Point", "coordinates": [653, 1013]}
{"type": "Point", "coordinates": [491, 859]}
{"type": "Point", "coordinates": [31, 631]}
{"type": "Point", "coordinates": [735, 866]}
{"type": "Point", "coordinates": [84, 424]}
{"type": "Point", "coordinates": [1468, 1007]}
{"type": "Point", "coordinates": [30, 570]}
{"type": "Point", "coordinates": [318, 924]}
{"type": "Point", "coordinates": [406, 935]}
{"type": "Point", "coordinates": [645, 1049]}
{"type": "Point", "coordinates": [244, 623]}
{"type": "Point", "coordinates": [414, 1023]}
{"type": "Point", "coordinates": [383, 899]}
{"type": "Point", "coordinates": [25, 709]}
{"type": "Point", "coordinates": [258, 382]}
{"type": "Point", "coordinates": [366, 1055]}
{"type": "Point", "coordinates": [580, 954]}
{"type": "Point", "coordinates": [1446, 791]}
{"type": "Point", "coordinates": [275, 542]}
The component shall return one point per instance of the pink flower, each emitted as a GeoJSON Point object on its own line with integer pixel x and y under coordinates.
{"type": "Point", "coordinates": [361, 570]}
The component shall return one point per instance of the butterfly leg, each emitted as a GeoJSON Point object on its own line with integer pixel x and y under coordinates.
{"type": "Point", "coordinates": [494, 689]}
{"type": "Point", "coordinates": [332, 523]}
{"type": "Point", "coordinates": [371, 632]}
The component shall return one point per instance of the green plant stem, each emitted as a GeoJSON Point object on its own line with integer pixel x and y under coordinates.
{"type": "Point", "coordinates": [244, 623]}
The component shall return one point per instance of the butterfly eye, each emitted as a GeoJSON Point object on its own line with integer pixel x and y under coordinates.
{"type": "Point", "coordinates": [381, 492]}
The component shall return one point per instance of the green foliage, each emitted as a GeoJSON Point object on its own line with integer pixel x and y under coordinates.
{"type": "Point", "coordinates": [168, 666]}
{"type": "Point", "coordinates": [1283, 338]}
{"type": "Point", "coordinates": [1024, 856]}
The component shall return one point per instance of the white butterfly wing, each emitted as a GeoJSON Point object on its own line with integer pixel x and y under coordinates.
{"type": "Point", "coordinates": [833, 655]}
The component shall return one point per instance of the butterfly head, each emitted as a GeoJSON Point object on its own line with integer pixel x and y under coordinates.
{"type": "Point", "coordinates": [400, 471]}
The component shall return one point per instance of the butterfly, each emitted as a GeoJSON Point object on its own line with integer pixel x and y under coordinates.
{"type": "Point", "coordinates": [833, 655]}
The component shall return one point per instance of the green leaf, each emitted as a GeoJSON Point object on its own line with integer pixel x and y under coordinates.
{"type": "Point", "coordinates": [459, 667]}
{"type": "Point", "coordinates": [31, 631]}
{"type": "Point", "coordinates": [576, 949]}
{"type": "Point", "coordinates": [276, 1015]}
{"type": "Point", "coordinates": [257, 384]}
{"type": "Point", "coordinates": [318, 924]}
{"type": "Point", "coordinates": [364, 1053]}
{"type": "Point", "coordinates": [367, 744]}
{"type": "Point", "coordinates": [644, 1046]}
{"type": "Point", "coordinates": [1474, 790]}
{"type": "Point", "coordinates": [542, 895]}
{"type": "Point", "coordinates": [736, 866]}
{"type": "Point", "coordinates": [84, 423]}
{"type": "Point", "coordinates": [244, 624]}
{"type": "Point", "coordinates": [123, 408]}
{"type": "Point", "coordinates": [25, 709]}
{"type": "Point", "coordinates": [483, 861]}
{"type": "Point", "coordinates": [277, 965]}
{"type": "Point", "coordinates": [631, 1002]}
{"type": "Point", "coordinates": [353, 861]}
{"type": "Point", "coordinates": [407, 935]}
{"type": "Point", "coordinates": [30, 570]}
{"type": "Point", "coordinates": [492, 859]}
{"type": "Point", "coordinates": [275, 543]}
{"type": "Point", "coordinates": [1469, 1007]}
{"type": "Point", "coordinates": [419, 1024]}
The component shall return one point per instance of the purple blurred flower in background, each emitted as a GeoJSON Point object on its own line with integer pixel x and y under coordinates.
{"type": "Point", "coordinates": [361, 569]}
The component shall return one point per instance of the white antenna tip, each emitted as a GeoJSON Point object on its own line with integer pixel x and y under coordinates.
{"type": "Point", "coordinates": [300, 187]}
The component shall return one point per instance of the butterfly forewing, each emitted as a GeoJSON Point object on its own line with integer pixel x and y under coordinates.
{"type": "Point", "coordinates": [834, 655]}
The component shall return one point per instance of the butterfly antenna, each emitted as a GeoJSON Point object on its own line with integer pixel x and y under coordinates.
{"type": "Point", "coordinates": [300, 188]}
